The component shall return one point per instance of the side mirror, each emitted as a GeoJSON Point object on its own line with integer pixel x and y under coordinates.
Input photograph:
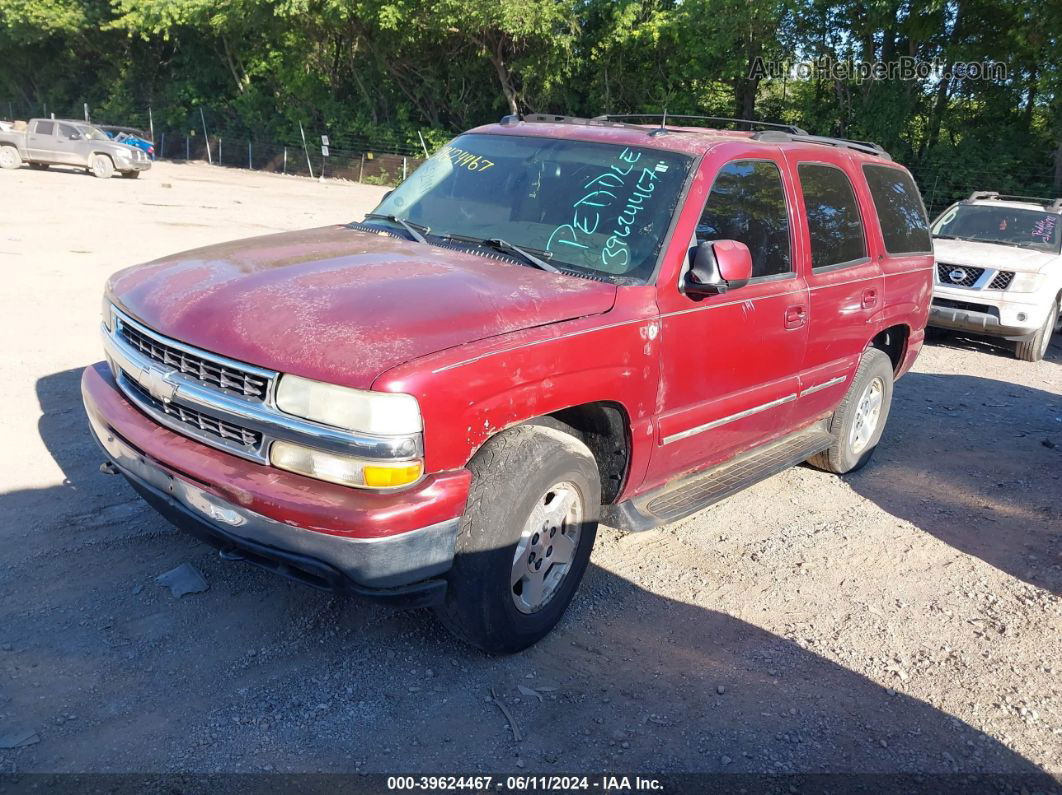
{"type": "Point", "coordinates": [718, 266]}
{"type": "Point", "coordinates": [75, 136]}
{"type": "Point", "coordinates": [388, 194]}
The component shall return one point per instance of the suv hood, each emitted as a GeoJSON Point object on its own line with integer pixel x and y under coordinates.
{"type": "Point", "coordinates": [344, 306]}
{"type": "Point", "coordinates": [991, 255]}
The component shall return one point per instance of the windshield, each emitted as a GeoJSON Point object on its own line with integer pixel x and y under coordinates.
{"type": "Point", "coordinates": [1008, 225]}
{"type": "Point", "coordinates": [597, 207]}
{"type": "Point", "coordinates": [93, 133]}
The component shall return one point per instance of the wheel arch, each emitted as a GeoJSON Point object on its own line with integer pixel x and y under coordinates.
{"type": "Point", "coordinates": [605, 428]}
{"type": "Point", "coordinates": [893, 342]}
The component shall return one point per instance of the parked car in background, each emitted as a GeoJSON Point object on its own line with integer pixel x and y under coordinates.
{"type": "Point", "coordinates": [999, 270]}
{"type": "Point", "coordinates": [48, 142]}
{"type": "Point", "coordinates": [553, 320]}
{"type": "Point", "coordinates": [130, 136]}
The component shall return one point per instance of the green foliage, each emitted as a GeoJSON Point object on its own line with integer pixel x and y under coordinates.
{"type": "Point", "coordinates": [390, 70]}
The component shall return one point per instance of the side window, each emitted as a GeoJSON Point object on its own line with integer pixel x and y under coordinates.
{"type": "Point", "coordinates": [747, 204]}
{"type": "Point", "coordinates": [833, 216]}
{"type": "Point", "coordinates": [45, 128]}
{"type": "Point", "coordinates": [902, 216]}
{"type": "Point", "coordinates": [65, 131]}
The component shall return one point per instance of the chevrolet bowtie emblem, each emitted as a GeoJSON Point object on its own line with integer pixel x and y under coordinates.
{"type": "Point", "coordinates": [154, 381]}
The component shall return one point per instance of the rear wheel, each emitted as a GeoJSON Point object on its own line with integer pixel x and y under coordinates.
{"type": "Point", "coordinates": [525, 538]}
{"type": "Point", "coordinates": [102, 167]}
{"type": "Point", "coordinates": [1035, 347]}
{"type": "Point", "coordinates": [9, 157]}
{"type": "Point", "coordinates": [857, 424]}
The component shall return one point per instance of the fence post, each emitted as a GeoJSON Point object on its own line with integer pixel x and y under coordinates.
{"type": "Point", "coordinates": [187, 149]}
{"type": "Point", "coordinates": [250, 162]}
{"type": "Point", "coordinates": [403, 168]}
{"type": "Point", "coordinates": [206, 138]}
{"type": "Point", "coordinates": [285, 160]}
{"type": "Point", "coordinates": [219, 151]}
{"type": "Point", "coordinates": [162, 146]}
{"type": "Point", "coordinates": [361, 171]}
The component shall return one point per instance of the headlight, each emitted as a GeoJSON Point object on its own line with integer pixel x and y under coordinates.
{"type": "Point", "coordinates": [1026, 282]}
{"type": "Point", "coordinates": [107, 314]}
{"type": "Point", "coordinates": [378, 413]}
{"type": "Point", "coordinates": [341, 469]}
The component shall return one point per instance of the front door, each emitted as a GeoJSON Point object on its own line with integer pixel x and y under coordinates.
{"type": "Point", "coordinates": [67, 148]}
{"type": "Point", "coordinates": [730, 362]}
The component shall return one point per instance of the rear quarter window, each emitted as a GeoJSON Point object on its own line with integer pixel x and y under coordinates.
{"type": "Point", "coordinates": [902, 215]}
{"type": "Point", "coordinates": [44, 128]}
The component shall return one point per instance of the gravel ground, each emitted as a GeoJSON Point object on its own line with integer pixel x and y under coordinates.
{"type": "Point", "coordinates": [903, 619]}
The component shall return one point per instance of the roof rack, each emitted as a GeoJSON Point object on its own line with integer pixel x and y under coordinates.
{"type": "Point", "coordinates": [1054, 205]}
{"type": "Point", "coordinates": [866, 147]}
{"type": "Point", "coordinates": [779, 133]}
{"type": "Point", "coordinates": [664, 117]}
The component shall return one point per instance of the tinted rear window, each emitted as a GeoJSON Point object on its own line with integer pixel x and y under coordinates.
{"type": "Point", "coordinates": [834, 222]}
{"type": "Point", "coordinates": [902, 216]}
{"type": "Point", "coordinates": [45, 127]}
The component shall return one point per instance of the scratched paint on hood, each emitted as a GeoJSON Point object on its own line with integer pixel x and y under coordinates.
{"type": "Point", "coordinates": [343, 306]}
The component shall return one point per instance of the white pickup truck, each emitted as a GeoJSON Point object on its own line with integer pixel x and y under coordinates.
{"type": "Point", "coordinates": [47, 142]}
{"type": "Point", "coordinates": [999, 269]}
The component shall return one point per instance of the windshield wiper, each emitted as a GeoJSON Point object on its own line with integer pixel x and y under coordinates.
{"type": "Point", "coordinates": [504, 245]}
{"type": "Point", "coordinates": [416, 231]}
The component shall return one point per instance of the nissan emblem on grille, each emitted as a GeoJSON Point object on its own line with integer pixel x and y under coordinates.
{"type": "Point", "coordinates": [958, 275]}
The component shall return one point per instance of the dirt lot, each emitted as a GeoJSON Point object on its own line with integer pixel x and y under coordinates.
{"type": "Point", "coordinates": [905, 619]}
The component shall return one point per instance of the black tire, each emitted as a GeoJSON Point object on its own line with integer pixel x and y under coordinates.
{"type": "Point", "coordinates": [102, 167]}
{"type": "Point", "coordinates": [130, 174]}
{"type": "Point", "coordinates": [9, 157]}
{"type": "Point", "coordinates": [844, 455]}
{"type": "Point", "coordinates": [511, 475]}
{"type": "Point", "coordinates": [1034, 348]}
{"type": "Point", "coordinates": [39, 166]}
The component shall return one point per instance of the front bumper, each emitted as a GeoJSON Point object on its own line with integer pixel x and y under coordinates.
{"type": "Point", "coordinates": [984, 312]}
{"type": "Point", "coordinates": [132, 165]}
{"type": "Point", "coordinates": [385, 546]}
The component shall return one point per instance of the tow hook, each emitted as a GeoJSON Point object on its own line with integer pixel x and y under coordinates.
{"type": "Point", "coordinates": [108, 468]}
{"type": "Point", "coordinates": [231, 554]}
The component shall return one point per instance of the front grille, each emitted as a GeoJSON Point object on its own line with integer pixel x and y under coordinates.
{"type": "Point", "coordinates": [197, 419]}
{"type": "Point", "coordinates": [206, 371]}
{"type": "Point", "coordinates": [1001, 281]}
{"type": "Point", "coordinates": [966, 275]}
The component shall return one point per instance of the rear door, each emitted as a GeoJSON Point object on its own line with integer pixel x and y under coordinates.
{"type": "Point", "coordinates": [844, 275]}
{"type": "Point", "coordinates": [40, 140]}
{"type": "Point", "coordinates": [730, 363]}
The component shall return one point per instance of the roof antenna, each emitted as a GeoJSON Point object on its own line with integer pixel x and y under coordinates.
{"type": "Point", "coordinates": [661, 130]}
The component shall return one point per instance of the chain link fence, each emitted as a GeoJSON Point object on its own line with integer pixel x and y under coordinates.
{"type": "Point", "coordinates": [218, 138]}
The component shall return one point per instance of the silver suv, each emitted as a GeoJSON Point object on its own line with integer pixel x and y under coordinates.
{"type": "Point", "coordinates": [46, 142]}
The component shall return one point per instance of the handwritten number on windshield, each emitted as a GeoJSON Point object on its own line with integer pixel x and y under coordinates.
{"type": "Point", "coordinates": [603, 196]}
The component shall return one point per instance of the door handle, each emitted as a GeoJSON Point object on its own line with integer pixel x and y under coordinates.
{"type": "Point", "coordinates": [795, 316]}
{"type": "Point", "coordinates": [870, 298]}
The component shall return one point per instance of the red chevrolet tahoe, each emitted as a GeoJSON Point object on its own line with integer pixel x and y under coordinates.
{"type": "Point", "coordinates": [553, 322]}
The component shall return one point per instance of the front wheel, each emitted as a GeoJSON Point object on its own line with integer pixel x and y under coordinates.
{"type": "Point", "coordinates": [9, 157]}
{"type": "Point", "coordinates": [1034, 348]}
{"type": "Point", "coordinates": [857, 423]}
{"type": "Point", "coordinates": [102, 167]}
{"type": "Point", "coordinates": [525, 538]}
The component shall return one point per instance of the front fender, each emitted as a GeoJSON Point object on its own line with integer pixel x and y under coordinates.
{"type": "Point", "coordinates": [468, 394]}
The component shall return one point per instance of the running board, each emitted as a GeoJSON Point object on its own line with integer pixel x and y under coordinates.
{"type": "Point", "coordinates": [695, 492]}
